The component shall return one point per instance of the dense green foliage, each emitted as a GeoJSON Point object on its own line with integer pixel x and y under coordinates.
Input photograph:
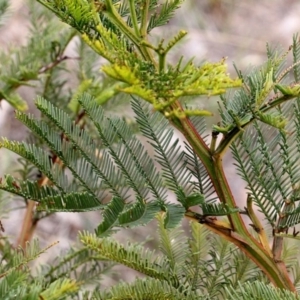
{"type": "Point", "coordinates": [88, 159]}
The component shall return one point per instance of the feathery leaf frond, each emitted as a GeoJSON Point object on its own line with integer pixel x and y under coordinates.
{"type": "Point", "coordinates": [139, 213]}
{"type": "Point", "coordinates": [170, 245]}
{"type": "Point", "coordinates": [200, 180]}
{"type": "Point", "coordinates": [134, 162]}
{"type": "Point", "coordinates": [258, 290]}
{"type": "Point", "coordinates": [155, 128]}
{"type": "Point", "coordinates": [166, 12]}
{"type": "Point", "coordinates": [100, 162]}
{"type": "Point", "coordinates": [59, 288]}
{"type": "Point", "coordinates": [267, 161]}
{"type": "Point", "coordinates": [150, 289]}
{"type": "Point", "coordinates": [132, 255]}
{"type": "Point", "coordinates": [296, 57]}
{"type": "Point", "coordinates": [110, 216]}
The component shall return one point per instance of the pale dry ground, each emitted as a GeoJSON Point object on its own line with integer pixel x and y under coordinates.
{"type": "Point", "coordinates": [235, 29]}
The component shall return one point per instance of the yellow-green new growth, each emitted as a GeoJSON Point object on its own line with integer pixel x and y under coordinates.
{"type": "Point", "coordinates": [163, 89]}
{"type": "Point", "coordinates": [287, 90]}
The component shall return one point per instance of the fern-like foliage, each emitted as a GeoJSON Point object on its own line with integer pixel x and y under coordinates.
{"type": "Point", "coordinates": [258, 290]}
{"type": "Point", "coordinates": [4, 11]}
{"type": "Point", "coordinates": [166, 12]}
{"type": "Point", "coordinates": [16, 279]}
{"type": "Point", "coordinates": [271, 185]}
{"type": "Point", "coordinates": [246, 104]}
{"type": "Point", "coordinates": [61, 279]}
{"type": "Point", "coordinates": [266, 152]}
{"type": "Point", "coordinates": [43, 52]}
{"type": "Point", "coordinates": [201, 267]}
{"type": "Point", "coordinates": [82, 265]}
{"type": "Point", "coordinates": [117, 165]}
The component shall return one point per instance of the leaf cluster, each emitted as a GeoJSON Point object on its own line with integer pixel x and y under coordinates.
{"type": "Point", "coordinates": [266, 154]}
{"type": "Point", "coordinates": [114, 165]}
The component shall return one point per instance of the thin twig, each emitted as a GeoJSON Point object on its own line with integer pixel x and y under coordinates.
{"type": "Point", "coordinates": [53, 64]}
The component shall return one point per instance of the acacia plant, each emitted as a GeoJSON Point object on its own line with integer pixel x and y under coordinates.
{"type": "Point", "coordinates": [112, 171]}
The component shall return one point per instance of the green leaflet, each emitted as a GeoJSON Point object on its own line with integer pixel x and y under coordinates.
{"type": "Point", "coordinates": [174, 215]}
{"type": "Point", "coordinates": [139, 213]}
{"type": "Point", "coordinates": [150, 289]}
{"type": "Point", "coordinates": [89, 151]}
{"type": "Point", "coordinates": [202, 183]}
{"type": "Point", "coordinates": [275, 120]}
{"type": "Point", "coordinates": [27, 189]}
{"type": "Point", "coordinates": [286, 90]}
{"type": "Point", "coordinates": [272, 176]}
{"type": "Point", "coordinates": [296, 57]}
{"type": "Point", "coordinates": [132, 160]}
{"type": "Point", "coordinates": [15, 100]}
{"type": "Point", "coordinates": [155, 128]}
{"type": "Point", "coordinates": [259, 290]}
{"type": "Point", "coordinates": [167, 11]}
{"type": "Point", "coordinates": [73, 202]}
{"type": "Point", "coordinates": [50, 199]}
{"type": "Point", "coordinates": [194, 199]}
{"type": "Point", "coordinates": [132, 255]}
{"type": "Point", "coordinates": [267, 87]}
{"type": "Point", "coordinates": [57, 289]}
{"type": "Point", "coordinates": [174, 252]}
{"type": "Point", "coordinates": [216, 209]}
{"type": "Point", "coordinates": [15, 278]}
{"type": "Point", "coordinates": [110, 217]}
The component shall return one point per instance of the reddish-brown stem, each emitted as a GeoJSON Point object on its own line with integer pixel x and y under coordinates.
{"type": "Point", "coordinates": [26, 232]}
{"type": "Point", "coordinates": [28, 222]}
{"type": "Point", "coordinates": [239, 235]}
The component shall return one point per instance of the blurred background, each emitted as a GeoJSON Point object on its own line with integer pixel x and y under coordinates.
{"type": "Point", "coordinates": [238, 30]}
